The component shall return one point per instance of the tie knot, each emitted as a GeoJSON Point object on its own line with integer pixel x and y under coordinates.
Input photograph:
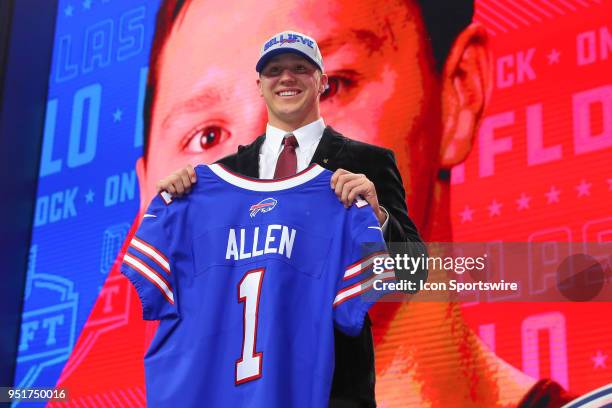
{"type": "Point", "coordinates": [290, 141]}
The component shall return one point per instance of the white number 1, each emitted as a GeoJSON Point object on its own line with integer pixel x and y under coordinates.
{"type": "Point", "coordinates": [248, 366]}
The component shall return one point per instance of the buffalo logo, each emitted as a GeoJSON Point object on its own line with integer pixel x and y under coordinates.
{"type": "Point", "coordinates": [264, 206]}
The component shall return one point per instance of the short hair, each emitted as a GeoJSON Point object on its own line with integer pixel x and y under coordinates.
{"type": "Point", "coordinates": [444, 20]}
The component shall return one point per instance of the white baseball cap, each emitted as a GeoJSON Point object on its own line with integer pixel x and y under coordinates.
{"type": "Point", "coordinates": [290, 42]}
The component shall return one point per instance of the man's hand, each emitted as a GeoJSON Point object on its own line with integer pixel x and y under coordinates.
{"type": "Point", "coordinates": [179, 182]}
{"type": "Point", "coordinates": [348, 186]}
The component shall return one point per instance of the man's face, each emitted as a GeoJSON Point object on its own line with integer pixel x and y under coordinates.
{"type": "Point", "coordinates": [291, 85]}
{"type": "Point", "coordinates": [382, 88]}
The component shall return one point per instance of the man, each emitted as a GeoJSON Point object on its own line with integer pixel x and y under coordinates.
{"type": "Point", "coordinates": [408, 75]}
{"type": "Point", "coordinates": [291, 80]}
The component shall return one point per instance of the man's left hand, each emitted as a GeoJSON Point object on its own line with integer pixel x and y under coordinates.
{"type": "Point", "coordinates": [348, 186]}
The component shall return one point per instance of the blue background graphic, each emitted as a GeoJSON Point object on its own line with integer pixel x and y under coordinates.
{"type": "Point", "coordinates": [88, 193]}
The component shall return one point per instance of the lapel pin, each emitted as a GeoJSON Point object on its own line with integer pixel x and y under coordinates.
{"type": "Point", "coordinates": [325, 161]}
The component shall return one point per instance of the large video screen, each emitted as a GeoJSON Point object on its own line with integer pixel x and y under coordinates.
{"type": "Point", "coordinates": [502, 132]}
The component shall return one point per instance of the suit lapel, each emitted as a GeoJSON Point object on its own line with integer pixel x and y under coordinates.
{"type": "Point", "coordinates": [249, 158]}
{"type": "Point", "coordinates": [329, 149]}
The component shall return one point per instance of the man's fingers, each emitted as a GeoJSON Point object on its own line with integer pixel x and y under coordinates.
{"type": "Point", "coordinates": [347, 178]}
{"type": "Point", "coordinates": [342, 180]}
{"type": "Point", "coordinates": [191, 173]}
{"type": "Point", "coordinates": [348, 190]}
{"type": "Point", "coordinates": [169, 188]}
{"type": "Point", "coordinates": [178, 185]}
{"type": "Point", "coordinates": [178, 182]}
{"type": "Point", "coordinates": [361, 189]}
{"type": "Point", "coordinates": [163, 184]}
{"type": "Point", "coordinates": [185, 179]}
{"type": "Point", "coordinates": [336, 175]}
{"type": "Point", "coordinates": [348, 186]}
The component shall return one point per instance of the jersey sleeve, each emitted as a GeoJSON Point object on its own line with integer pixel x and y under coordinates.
{"type": "Point", "coordinates": [147, 262]}
{"type": "Point", "coordinates": [359, 281]}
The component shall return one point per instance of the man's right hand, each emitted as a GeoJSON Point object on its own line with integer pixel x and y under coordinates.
{"type": "Point", "coordinates": [179, 182]}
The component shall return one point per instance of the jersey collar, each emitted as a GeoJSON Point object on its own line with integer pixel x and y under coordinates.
{"type": "Point", "coordinates": [253, 184]}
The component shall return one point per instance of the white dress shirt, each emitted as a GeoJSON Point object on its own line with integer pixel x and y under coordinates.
{"type": "Point", "coordinates": [308, 138]}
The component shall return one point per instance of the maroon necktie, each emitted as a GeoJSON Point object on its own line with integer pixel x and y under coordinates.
{"type": "Point", "coordinates": [287, 161]}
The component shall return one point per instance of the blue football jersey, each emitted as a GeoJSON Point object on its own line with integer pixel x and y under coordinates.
{"type": "Point", "coordinates": [248, 278]}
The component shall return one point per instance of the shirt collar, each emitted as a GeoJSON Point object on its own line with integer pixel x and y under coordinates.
{"type": "Point", "coordinates": [306, 135]}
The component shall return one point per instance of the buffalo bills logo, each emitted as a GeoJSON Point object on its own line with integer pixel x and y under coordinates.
{"type": "Point", "coordinates": [264, 206]}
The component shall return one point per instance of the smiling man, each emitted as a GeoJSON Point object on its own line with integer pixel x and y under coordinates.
{"type": "Point", "coordinates": [291, 80]}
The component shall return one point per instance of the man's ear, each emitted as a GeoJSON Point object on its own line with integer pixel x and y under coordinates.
{"type": "Point", "coordinates": [259, 86]}
{"type": "Point", "coordinates": [141, 173]}
{"type": "Point", "coordinates": [466, 86]}
{"type": "Point", "coordinates": [323, 84]}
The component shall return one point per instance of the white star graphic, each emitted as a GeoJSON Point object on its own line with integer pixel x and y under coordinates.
{"type": "Point", "coordinates": [584, 188]}
{"type": "Point", "coordinates": [89, 197]}
{"type": "Point", "coordinates": [553, 195]}
{"type": "Point", "coordinates": [87, 4]}
{"type": "Point", "coordinates": [523, 201]}
{"type": "Point", "coordinates": [117, 115]}
{"type": "Point", "coordinates": [494, 208]}
{"type": "Point", "coordinates": [553, 57]}
{"type": "Point", "coordinates": [599, 360]}
{"type": "Point", "coordinates": [68, 11]}
{"type": "Point", "coordinates": [466, 214]}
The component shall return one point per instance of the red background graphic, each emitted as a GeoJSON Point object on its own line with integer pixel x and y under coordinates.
{"type": "Point", "coordinates": [551, 111]}
{"type": "Point", "coordinates": [539, 170]}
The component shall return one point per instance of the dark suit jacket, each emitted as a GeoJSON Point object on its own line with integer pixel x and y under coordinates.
{"type": "Point", "coordinates": [354, 375]}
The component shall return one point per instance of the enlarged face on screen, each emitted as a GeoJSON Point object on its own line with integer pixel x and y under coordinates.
{"type": "Point", "coordinates": [382, 87]}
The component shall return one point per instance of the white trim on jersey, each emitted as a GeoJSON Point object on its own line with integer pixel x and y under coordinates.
{"type": "Point", "coordinates": [151, 275]}
{"type": "Point", "coordinates": [266, 185]}
{"type": "Point", "coordinates": [360, 287]}
{"type": "Point", "coordinates": [363, 264]}
{"type": "Point", "coordinates": [360, 202]}
{"type": "Point", "coordinates": [152, 252]}
{"type": "Point", "coordinates": [166, 196]}
{"type": "Point", "coordinates": [601, 397]}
